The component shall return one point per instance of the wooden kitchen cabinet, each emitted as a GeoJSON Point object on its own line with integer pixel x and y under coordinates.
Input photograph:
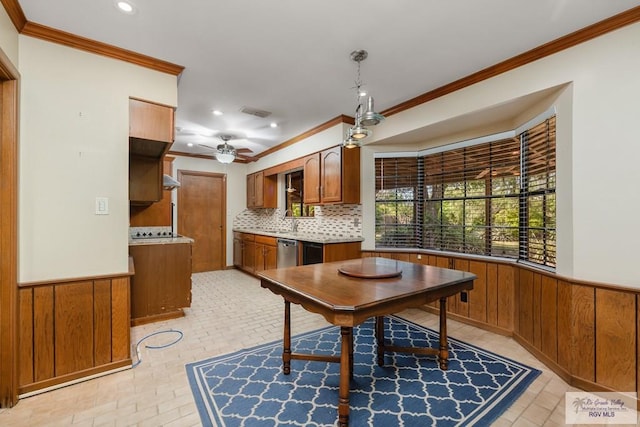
{"type": "Point", "coordinates": [332, 176]}
{"type": "Point", "coordinates": [311, 182]}
{"type": "Point", "coordinates": [145, 180]}
{"type": "Point", "coordinates": [161, 286]}
{"type": "Point", "coordinates": [266, 253]}
{"type": "Point", "coordinates": [157, 214]}
{"type": "Point", "coordinates": [150, 137]}
{"type": "Point", "coordinates": [251, 190]}
{"type": "Point", "coordinates": [151, 121]}
{"type": "Point", "coordinates": [248, 252]}
{"type": "Point", "coordinates": [253, 253]}
{"type": "Point", "coordinates": [261, 190]}
{"type": "Point", "coordinates": [237, 250]}
{"type": "Point", "coordinates": [341, 251]}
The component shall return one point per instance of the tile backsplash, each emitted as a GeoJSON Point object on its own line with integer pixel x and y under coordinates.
{"type": "Point", "coordinates": [332, 220]}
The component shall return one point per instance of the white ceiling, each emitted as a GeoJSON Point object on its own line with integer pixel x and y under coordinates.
{"type": "Point", "coordinates": [291, 57]}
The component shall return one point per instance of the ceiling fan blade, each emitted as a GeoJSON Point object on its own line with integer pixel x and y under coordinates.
{"type": "Point", "coordinates": [244, 150]}
{"type": "Point", "coordinates": [207, 147]}
{"type": "Point", "coordinates": [247, 158]}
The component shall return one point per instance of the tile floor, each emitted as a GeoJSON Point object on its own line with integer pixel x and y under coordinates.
{"type": "Point", "coordinates": [230, 311]}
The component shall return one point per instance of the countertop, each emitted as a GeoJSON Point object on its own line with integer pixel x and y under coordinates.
{"type": "Point", "coordinates": [160, 241]}
{"type": "Point", "coordinates": [301, 235]}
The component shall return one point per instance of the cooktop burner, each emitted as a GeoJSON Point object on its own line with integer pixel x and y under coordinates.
{"type": "Point", "coordinates": [153, 235]}
{"type": "Point", "coordinates": [159, 232]}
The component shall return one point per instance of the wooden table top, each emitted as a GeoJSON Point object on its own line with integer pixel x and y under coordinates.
{"type": "Point", "coordinates": [347, 300]}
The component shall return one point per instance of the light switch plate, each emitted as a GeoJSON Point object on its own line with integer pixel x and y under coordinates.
{"type": "Point", "coordinates": [102, 206]}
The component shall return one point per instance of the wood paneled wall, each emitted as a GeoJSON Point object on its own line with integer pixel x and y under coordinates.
{"type": "Point", "coordinates": [69, 330]}
{"type": "Point", "coordinates": [588, 333]}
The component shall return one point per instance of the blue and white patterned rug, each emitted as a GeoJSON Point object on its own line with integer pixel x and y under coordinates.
{"type": "Point", "coordinates": [248, 388]}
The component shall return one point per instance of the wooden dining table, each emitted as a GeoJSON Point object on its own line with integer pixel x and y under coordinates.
{"type": "Point", "coordinates": [346, 293]}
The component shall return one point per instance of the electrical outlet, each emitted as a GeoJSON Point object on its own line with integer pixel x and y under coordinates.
{"type": "Point", "coordinates": [419, 256]}
{"type": "Point", "coordinates": [463, 296]}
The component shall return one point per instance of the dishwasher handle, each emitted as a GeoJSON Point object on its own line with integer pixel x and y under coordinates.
{"type": "Point", "coordinates": [287, 242]}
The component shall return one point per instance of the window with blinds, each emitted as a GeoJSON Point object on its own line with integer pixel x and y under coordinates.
{"type": "Point", "coordinates": [538, 189]}
{"type": "Point", "coordinates": [398, 202]}
{"type": "Point", "coordinates": [494, 198]}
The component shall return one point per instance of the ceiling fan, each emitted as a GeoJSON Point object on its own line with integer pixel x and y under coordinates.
{"type": "Point", "coordinates": [226, 153]}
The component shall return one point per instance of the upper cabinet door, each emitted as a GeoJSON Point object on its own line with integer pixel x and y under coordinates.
{"type": "Point", "coordinates": [251, 190]}
{"type": "Point", "coordinates": [150, 121]}
{"type": "Point", "coordinates": [259, 189]}
{"type": "Point", "coordinates": [331, 175]}
{"type": "Point", "coordinates": [312, 179]}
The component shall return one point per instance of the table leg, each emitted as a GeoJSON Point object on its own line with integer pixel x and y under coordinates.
{"type": "Point", "coordinates": [351, 354]}
{"type": "Point", "coordinates": [443, 355]}
{"type": "Point", "coordinates": [380, 339]}
{"type": "Point", "coordinates": [346, 333]}
{"type": "Point", "coordinates": [286, 351]}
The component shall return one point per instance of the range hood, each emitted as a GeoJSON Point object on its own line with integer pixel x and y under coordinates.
{"type": "Point", "coordinates": [169, 183]}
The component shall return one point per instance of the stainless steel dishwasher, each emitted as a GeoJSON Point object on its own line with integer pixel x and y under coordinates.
{"type": "Point", "coordinates": [287, 253]}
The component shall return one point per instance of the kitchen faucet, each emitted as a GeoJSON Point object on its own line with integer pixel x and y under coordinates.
{"type": "Point", "coordinates": [294, 221]}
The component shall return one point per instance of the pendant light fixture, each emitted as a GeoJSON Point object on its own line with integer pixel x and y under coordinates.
{"type": "Point", "coordinates": [290, 188]}
{"type": "Point", "coordinates": [365, 114]}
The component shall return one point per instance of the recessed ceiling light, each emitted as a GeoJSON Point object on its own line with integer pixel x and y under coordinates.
{"type": "Point", "coordinates": [189, 144]}
{"type": "Point", "coordinates": [217, 112]}
{"type": "Point", "coordinates": [273, 125]}
{"type": "Point", "coordinates": [125, 7]}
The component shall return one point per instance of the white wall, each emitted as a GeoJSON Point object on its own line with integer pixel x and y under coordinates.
{"type": "Point", "coordinates": [8, 37]}
{"type": "Point", "coordinates": [236, 190]}
{"type": "Point", "coordinates": [73, 148]}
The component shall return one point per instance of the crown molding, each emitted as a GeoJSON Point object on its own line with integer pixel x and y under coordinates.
{"type": "Point", "coordinates": [324, 126]}
{"type": "Point", "coordinates": [67, 39]}
{"type": "Point", "coordinates": [14, 10]}
{"type": "Point", "coordinates": [580, 36]}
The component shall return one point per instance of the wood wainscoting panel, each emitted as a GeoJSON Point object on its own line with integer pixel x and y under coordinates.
{"type": "Point", "coordinates": [588, 333]}
{"type": "Point", "coordinates": [43, 329]}
{"type": "Point", "coordinates": [615, 340]}
{"type": "Point", "coordinates": [25, 336]}
{"type": "Point", "coordinates": [433, 260]}
{"type": "Point", "coordinates": [492, 293]}
{"type": "Point", "coordinates": [583, 332]}
{"type": "Point", "coordinates": [478, 295]}
{"type": "Point", "coordinates": [120, 319]}
{"type": "Point", "coordinates": [548, 317]}
{"type": "Point", "coordinates": [73, 327]}
{"type": "Point", "coordinates": [564, 304]}
{"type": "Point", "coordinates": [526, 305]}
{"type": "Point", "coordinates": [537, 310]}
{"type": "Point", "coordinates": [102, 321]}
{"type": "Point", "coordinates": [462, 307]}
{"type": "Point", "coordinates": [506, 297]}
{"type": "Point", "coordinates": [398, 257]}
